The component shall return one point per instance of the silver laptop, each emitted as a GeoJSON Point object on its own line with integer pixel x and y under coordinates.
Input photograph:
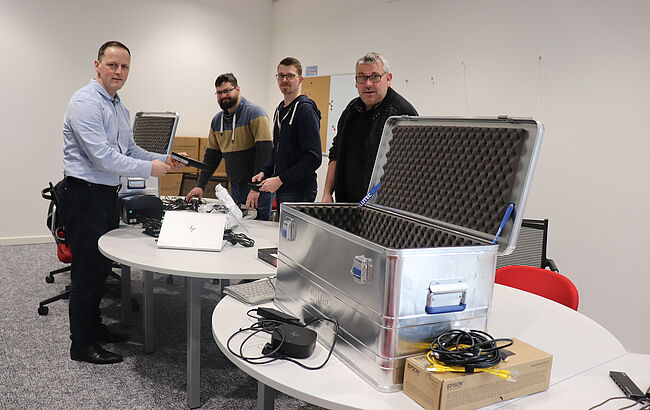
{"type": "Point", "coordinates": [192, 231]}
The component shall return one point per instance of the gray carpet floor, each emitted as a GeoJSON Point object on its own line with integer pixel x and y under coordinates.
{"type": "Point", "coordinates": [36, 371]}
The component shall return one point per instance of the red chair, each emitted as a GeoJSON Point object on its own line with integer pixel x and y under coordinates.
{"type": "Point", "coordinates": [63, 251]}
{"type": "Point", "coordinates": [548, 284]}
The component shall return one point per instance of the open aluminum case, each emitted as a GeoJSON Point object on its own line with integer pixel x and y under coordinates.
{"type": "Point", "coordinates": [153, 131]}
{"type": "Point", "coordinates": [419, 257]}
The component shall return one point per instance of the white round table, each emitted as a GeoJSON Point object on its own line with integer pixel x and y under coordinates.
{"type": "Point", "coordinates": [130, 247]}
{"type": "Point", "coordinates": [576, 342]}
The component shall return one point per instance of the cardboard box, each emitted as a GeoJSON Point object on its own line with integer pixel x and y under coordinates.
{"type": "Point", "coordinates": [460, 391]}
{"type": "Point", "coordinates": [221, 169]}
{"type": "Point", "coordinates": [170, 184]}
{"type": "Point", "coordinates": [190, 145]}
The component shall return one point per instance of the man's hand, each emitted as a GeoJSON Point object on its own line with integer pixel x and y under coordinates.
{"type": "Point", "coordinates": [328, 189]}
{"type": "Point", "coordinates": [251, 199]}
{"type": "Point", "coordinates": [258, 178]}
{"type": "Point", "coordinates": [175, 164]}
{"type": "Point", "coordinates": [194, 192]}
{"type": "Point", "coordinates": [271, 184]}
{"type": "Point", "coordinates": [159, 168]}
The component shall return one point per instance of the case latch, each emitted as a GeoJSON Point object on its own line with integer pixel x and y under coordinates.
{"type": "Point", "coordinates": [361, 269]}
{"type": "Point", "coordinates": [289, 230]}
{"type": "Point", "coordinates": [446, 295]}
{"type": "Point", "coordinates": [136, 183]}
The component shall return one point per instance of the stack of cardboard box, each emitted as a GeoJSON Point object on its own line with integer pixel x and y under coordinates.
{"type": "Point", "coordinates": [195, 148]}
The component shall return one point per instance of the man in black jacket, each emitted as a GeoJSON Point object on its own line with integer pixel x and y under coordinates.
{"type": "Point", "coordinates": [354, 148]}
{"type": "Point", "coordinates": [296, 141]}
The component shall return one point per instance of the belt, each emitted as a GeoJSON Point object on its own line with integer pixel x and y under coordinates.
{"type": "Point", "coordinates": [108, 188]}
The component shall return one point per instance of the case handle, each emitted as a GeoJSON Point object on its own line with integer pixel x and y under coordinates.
{"type": "Point", "coordinates": [446, 295]}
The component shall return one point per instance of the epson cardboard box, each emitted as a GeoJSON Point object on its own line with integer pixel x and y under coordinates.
{"type": "Point", "coordinates": [460, 391]}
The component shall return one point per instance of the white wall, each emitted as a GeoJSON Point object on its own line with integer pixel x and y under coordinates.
{"type": "Point", "coordinates": [581, 67]}
{"type": "Point", "coordinates": [178, 48]}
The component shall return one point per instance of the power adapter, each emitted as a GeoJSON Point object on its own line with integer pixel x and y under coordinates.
{"type": "Point", "coordinates": [291, 341]}
{"type": "Point", "coordinates": [626, 385]}
{"type": "Point", "coordinates": [273, 314]}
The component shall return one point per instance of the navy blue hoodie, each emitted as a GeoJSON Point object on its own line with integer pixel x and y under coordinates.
{"type": "Point", "coordinates": [296, 145]}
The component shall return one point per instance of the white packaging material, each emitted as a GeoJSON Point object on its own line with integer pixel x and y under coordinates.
{"type": "Point", "coordinates": [234, 213]}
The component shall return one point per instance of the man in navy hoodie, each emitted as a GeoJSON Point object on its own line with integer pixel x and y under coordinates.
{"type": "Point", "coordinates": [291, 173]}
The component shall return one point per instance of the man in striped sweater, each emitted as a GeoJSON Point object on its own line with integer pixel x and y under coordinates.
{"type": "Point", "coordinates": [242, 136]}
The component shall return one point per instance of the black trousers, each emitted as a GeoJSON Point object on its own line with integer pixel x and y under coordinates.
{"type": "Point", "coordinates": [88, 211]}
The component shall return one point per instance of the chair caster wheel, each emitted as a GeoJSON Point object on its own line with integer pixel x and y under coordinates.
{"type": "Point", "coordinates": [49, 279]}
{"type": "Point", "coordinates": [43, 310]}
{"type": "Point", "coordinates": [170, 280]}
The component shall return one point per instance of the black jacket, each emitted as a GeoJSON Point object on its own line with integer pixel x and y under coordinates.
{"type": "Point", "coordinates": [361, 130]}
{"type": "Point", "coordinates": [297, 151]}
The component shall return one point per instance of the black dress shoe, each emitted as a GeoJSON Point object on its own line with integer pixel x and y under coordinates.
{"type": "Point", "coordinates": [94, 354]}
{"type": "Point", "coordinates": [106, 336]}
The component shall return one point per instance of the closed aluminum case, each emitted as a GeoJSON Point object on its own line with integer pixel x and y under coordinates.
{"type": "Point", "coordinates": [419, 257]}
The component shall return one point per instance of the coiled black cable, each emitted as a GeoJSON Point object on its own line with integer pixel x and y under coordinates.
{"type": "Point", "coordinates": [471, 349]}
{"type": "Point", "coordinates": [238, 238]}
{"type": "Point", "coordinates": [269, 326]}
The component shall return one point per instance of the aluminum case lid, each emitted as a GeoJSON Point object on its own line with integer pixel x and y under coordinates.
{"type": "Point", "coordinates": [461, 173]}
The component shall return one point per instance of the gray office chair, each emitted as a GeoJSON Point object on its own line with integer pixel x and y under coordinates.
{"type": "Point", "coordinates": [530, 249]}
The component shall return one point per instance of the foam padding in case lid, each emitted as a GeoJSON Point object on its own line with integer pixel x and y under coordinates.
{"type": "Point", "coordinates": [460, 175]}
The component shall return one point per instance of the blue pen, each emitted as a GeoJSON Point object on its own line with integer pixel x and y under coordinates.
{"type": "Point", "coordinates": [506, 216]}
{"type": "Point", "coordinates": [370, 194]}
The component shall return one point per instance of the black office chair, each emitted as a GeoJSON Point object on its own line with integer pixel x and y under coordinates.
{"type": "Point", "coordinates": [188, 182]}
{"type": "Point", "coordinates": [62, 248]}
{"type": "Point", "coordinates": [56, 227]}
{"type": "Point", "coordinates": [530, 249]}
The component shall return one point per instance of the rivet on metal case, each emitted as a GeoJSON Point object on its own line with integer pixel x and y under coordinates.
{"type": "Point", "coordinates": [289, 230]}
{"type": "Point", "coordinates": [361, 269]}
{"type": "Point", "coordinates": [446, 295]}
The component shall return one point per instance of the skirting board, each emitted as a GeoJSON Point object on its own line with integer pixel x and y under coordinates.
{"type": "Point", "coordinates": [26, 240]}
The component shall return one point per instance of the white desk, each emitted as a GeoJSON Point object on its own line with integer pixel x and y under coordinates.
{"type": "Point", "coordinates": [129, 246]}
{"type": "Point", "coordinates": [514, 313]}
{"type": "Point", "coordinates": [591, 387]}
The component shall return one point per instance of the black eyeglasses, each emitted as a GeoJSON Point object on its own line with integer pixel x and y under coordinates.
{"type": "Point", "coordinates": [289, 77]}
{"type": "Point", "coordinates": [224, 92]}
{"type": "Point", "coordinates": [375, 78]}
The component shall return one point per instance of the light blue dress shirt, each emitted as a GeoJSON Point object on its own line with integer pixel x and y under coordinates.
{"type": "Point", "coordinates": [98, 139]}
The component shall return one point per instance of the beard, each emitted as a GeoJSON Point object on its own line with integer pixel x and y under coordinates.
{"type": "Point", "coordinates": [228, 102]}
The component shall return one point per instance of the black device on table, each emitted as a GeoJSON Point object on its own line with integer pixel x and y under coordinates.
{"type": "Point", "coordinates": [189, 161]}
{"type": "Point", "coordinates": [627, 386]}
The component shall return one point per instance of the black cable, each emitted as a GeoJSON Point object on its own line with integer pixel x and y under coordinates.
{"type": "Point", "coordinates": [151, 226]}
{"type": "Point", "coordinates": [237, 238]}
{"type": "Point", "coordinates": [269, 326]}
{"type": "Point", "coordinates": [617, 398]}
{"type": "Point", "coordinates": [329, 354]}
{"type": "Point", "coordinates": [471, 349]}
{"type": "Point", "coordinates": [180, 204]}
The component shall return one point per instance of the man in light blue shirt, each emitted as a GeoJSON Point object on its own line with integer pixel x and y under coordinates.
{"type": "Point", "coordinates": [98, 148]}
